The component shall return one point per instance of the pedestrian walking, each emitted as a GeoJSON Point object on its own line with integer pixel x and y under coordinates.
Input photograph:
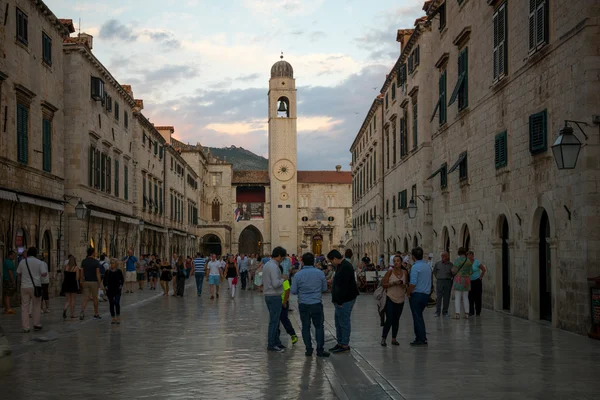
{"type": "Point", "coordinates": [104, 266]}
{"type": "Point", "coordinates": [9, 280]}
{"type": "Point", "coordinates": [309, 284]}
{"type": "Point", "coordinates": [198, 272]}
{"type": "Point", "coordinates": [418, 294]}
{"type": "Point", "coordinates": [181, 276]}
{"type": "Point", "coordinates": [252, 264]}
{"type": "Point", "coordinates": [395, 282]}
{"type": "Point", "coordinates": [442, 270]}
{"type": "Point", "coordinates": [165, 276]}
{"type": "Point", "coordinates": [258, 281]}
{"type": "Point", "coordinates": [130, 271]}
{"type": "Point", "coordinates": [231, 272]}
{"type": "Point", "coordinates": [476, 278]}
{"type": "Point", "coordinates": [153, 270]}
{"type": "Point", "coordinates": [90, 282]}
{"type": "Point", "coordinates": [113, 282]}
{"type": "Point", "coordinates": [30, 271]}
{"type": "Point", "coordinates": [273, 283]}
{"type": "Point", "coordinates": [462, 270]}
{"type": "Point", "coordinates": [214, 275]}
{"type": "Point", "coordinates": [343, 295]}
{"type": "Point", "coordinates": [243, 265]}
{"type": "Point", "coordinates": [285, 308]}
{"type": "Point", "coordinates": [45, 290]}
{"type": "Point", "coordinates": [141, 267]}
{"type": "Point", "coordinates": [70, 286]}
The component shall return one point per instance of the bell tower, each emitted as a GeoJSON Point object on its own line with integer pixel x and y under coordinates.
{"type": "Point", "coordinates": [282, 157]}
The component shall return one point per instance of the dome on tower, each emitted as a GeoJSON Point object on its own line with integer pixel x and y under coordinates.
{"type": "Point", "coordinates": [282, 69]}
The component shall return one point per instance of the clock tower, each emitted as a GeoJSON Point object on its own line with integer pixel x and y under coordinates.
{"type": "Point", "coordinates": [282, 157]}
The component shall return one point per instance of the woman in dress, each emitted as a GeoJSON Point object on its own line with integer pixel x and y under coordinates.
{"type": "Point", "coordinates": [70, 286]}
{"type": "Point", "coordinates": [113, 283]}
{"type": "Point", "coordinates": [180, 271]}
{"type": "Point", "coordinates": [231, 272]}
{"type": "Point", "coordinates": [394, 282]}
{"type": "Point", "coordinates": [462, 270]}
{"type": "Point", "coordinates": [258, 275]}
{"type": "Point", "coordinates": [165, 276]}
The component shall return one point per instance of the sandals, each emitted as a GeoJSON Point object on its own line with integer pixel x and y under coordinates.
{"type": "Point", "coordinates": [383, 343]}
{"type": "Point", "coordinates": [395, 343]}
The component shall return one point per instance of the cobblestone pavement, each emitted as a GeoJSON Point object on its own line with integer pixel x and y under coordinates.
{"type": "Point", "coordinates": [195, 348]}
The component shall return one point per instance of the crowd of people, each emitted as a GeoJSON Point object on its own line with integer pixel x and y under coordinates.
{"type": "Point", "coordinates": [406, 276]}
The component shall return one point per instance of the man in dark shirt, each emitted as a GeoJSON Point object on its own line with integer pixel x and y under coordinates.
{"type": "Point", "coordinates": [343, 295]}
{"type": "Point", "coordinates": [90, 282]}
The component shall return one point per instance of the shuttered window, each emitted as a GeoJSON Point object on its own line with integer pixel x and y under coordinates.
{"type": "Point", "coordinates": [22, 26]}
{"type": "Point", "coordinates": [117, 178]}
{"type": "Point", "coordinates": [144, 191]}
{"type": "Point", "coordinates": [442, 102]}
{"type": "Point", "coordinates": [126, 120]}
{"type": "Point", "coordinates": [160, 198]}
{"type": "Point", "coordinates": [97, 168]}
{"type": "Point", "coordinates": [461, 90]}
{"type": "Point", "coordinates": [415, 125]}
{"type": "Point", "coordinates": [117, 110]}
{"type": "Point", "coordinates": [444, 176]}
{"type": "Point", "coordinates": [46, 49]}
{"type": "Point", "coordinates": [155, 197]}
{"type": "Point", "coordinates": [500, 39]}
{"type": "Point", "coordinates": [91, 167]}
{"type": "Point", "coordinates": [126, 182]}
{"type": "Point", "coordinates": [442, 12]}
{"type": "Point", "coordinates": [393, 91]}
{"type": "Point", "coordinates": [538, 134]}
{"type": "Point", "coordinates": [47, 145]}
{"type": "Point", "coordinates": [22, 133]}
{"type": "Point", "coordinates": [386, 100]}
{"type": "Point", "coordinates": [108, 174]}
{"type": "Point", "coordinates": [500, 150]}
{"type": "Point", "coordinates": [402, 74]}
{"type": "Point", "coordinates": [103, 172]}
{"type": "Point", "coordinates": [538, 24]}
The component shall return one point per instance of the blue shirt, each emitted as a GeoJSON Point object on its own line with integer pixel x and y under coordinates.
{"type": "Point", "coordinates": [130, 264]}
{"type": "Point", "coordinates": [476, 270]}
{"type": "Point", "coordinates": [286, 264]}
{"type": "Point", "coordinates": [243, 264]}
{"type": "Point", "coordinates": [309, 283]}
{"type": "Point", "coordinates": [420, 276]}
{"type": "Point", "coordinates": [199, 265]}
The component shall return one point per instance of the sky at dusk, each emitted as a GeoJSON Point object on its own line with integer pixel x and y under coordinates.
{"type": "Point", "coordinates": [203, 65]}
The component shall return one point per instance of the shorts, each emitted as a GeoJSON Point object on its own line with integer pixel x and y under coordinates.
{"type": "Point", "coordinates": [90, 289]}
{"type": "Point", "coordinates": [153, 274]}
{"type": "Point", "coordinates": [130, 276]}
{"type": "Point", "coordinates": [214, 279]}
{"type": "Point", "coordinates": [8, 289]}
{"type": "Point", "coordinates": [141, 276]}
{"type": "Point", "coordinates": [45, 294]}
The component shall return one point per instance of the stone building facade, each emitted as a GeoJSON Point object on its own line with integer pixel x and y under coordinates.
{"type": "Point", "coordinates": [503, 77]}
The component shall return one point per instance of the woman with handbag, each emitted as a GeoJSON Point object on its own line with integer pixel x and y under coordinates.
{"type": "Point", "coordinates": [462, 270]}
{"type": "Point", "coordinates": [394, 282]}
{"type": "Point", "coordinates": [70, 286]}
{"type": "Point", "coordinates": [231, 272]}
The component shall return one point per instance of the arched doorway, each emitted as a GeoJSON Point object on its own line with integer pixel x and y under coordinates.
{"type": "Point", "coordinates": [211, 244]}
{"type": "Point", "coordinates": [250, 241]}
{"type": "Point", "coordinates": [505, 266]}
{"type": "Point", "coordinates": [317, 245]}
{"type": "Point", "coordinates": [415, 241]}
{"type": "Point", "coordinates": [405, 245]}
{"type": "Point", "coordinates": [46, 249]}
{"type": "Point", "coordinates": [395, 247]}
{"type": "Point", "coordinates": [545, 269]}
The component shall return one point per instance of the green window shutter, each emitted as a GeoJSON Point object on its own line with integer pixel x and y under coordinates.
{"type": "Point", "coordinates": [116, 110]}
{"type": "Point", "coordinates": [155, 148]}
{"type": "Point", "coordinates": [160, 152]}
{"type": "Point", "coordinates": [117, 178]}
{"type": "Point", "coordinates": [22, 134]}
{"type": "Point", "coordinates": [161, 200]}
{"type": "Point", "coordinates": [463, 94]}
{"type": "Point", "coordinates": [47, 145]}
{"type": "Point", "coordinates": [415, 130]}
{"type": "Point", "coordinates": [375, 166]}
{"type": "Point", "coordinates": [126, 119]}
{"type": "Point", "coordinates": [91, 167]}
{"type": "Point", "coordinates": [126, 182]}
{"type": "Point", "coordinates": [108, 174]}
{"type": "Point", "coordinates": [500, 50]}
{"type": "Point", "coordinates": [386, 100]}
{"type": "Point", "coordinates": [144, 191]}
{"type": "Point", "coordinates": [103, 172]}
{"type": "Point", "coordinates": [442, 101]}
{"type": "Point", "coordinates": [393, 91]}
{"type": "Point", "coordinates": [155, 197]}
{"type": "Point", "coordinates": [500, 150]}
{"type": "Point", "coordinates": [46, 49]}
{"type": "Point", "coordinates": [538, 135]}
{"type": "Point", "coordinates": [444, 176]}
{"type": "Point", "coordinates": [97, 169]}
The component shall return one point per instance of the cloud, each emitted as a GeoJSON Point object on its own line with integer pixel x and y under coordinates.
{"type": "Point", "coordinates": [113, 29]}
{"type": "Point", "coordinates": [276, 7]}
{"type": "Point", "coordinates": [317, 35]}
{"type": "Point", "coordinates": [248, 78]}
{"type": "Point", "coordinates": [166, 39]}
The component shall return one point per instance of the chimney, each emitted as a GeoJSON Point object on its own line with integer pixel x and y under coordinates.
{"type": "Point", "coordinates": [402, 37]}
{"type": "Point", "coordinates": [338, 168]}
{"type": "Point", "coordinates": [87, 40]}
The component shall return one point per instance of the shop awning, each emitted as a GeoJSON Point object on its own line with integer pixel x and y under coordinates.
{"type": "Point", "coordinates": [155, 229]}
{"type": "Point", "coordinates": [41, 202]}
{"type": "Point", "coordinates": [10, 196]}
{"type": "Point", "coordinates": [99, 214]}
{"type": "Point", "coordinates": [127, 220]}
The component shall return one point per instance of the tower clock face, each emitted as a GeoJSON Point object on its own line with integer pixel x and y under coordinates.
{"type": "Point", "coordinates": [284, 170]}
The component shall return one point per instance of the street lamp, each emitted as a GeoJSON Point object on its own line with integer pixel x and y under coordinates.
{"type": "Point", "coordinates": [170, 234]}
{"type": "Point", "coordinates": [80, 210]}
{"type": "Point", "coordinates": [566, 147]}
{"type": "Point", "coordinates": [354, 231]}
{"type": "Point", "coordinates": [372, 224]}
{"type": "Point", "coordinates": [412, 205]}
{"type": "Point", "coordinates": [141, 226]}
{"type": "Point", "coordinates": [347, 235]}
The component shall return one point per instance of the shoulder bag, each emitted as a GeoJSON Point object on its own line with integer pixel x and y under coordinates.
{"type": "Point", "coordinates": [455, 270]}
{"type": "Point", "coordinates": [37, 290]}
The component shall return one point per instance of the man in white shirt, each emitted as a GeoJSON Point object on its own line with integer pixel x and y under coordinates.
{"type": "Point", "coordinates": [30, 271]}
{"type": "Point", "coordinates": [214, 275]}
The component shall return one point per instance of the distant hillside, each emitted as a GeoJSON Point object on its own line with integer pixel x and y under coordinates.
{"type": "Point", "coordinates": [242, 159]}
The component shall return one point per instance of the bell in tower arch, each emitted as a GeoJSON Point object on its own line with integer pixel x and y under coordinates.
{"type": "Point", "coordinates": [283, 110]}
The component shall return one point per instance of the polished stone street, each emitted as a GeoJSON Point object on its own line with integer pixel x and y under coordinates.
{"type": "Point", "coordinates": [195, 348]}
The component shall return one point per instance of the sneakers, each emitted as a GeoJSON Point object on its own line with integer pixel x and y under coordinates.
{"type": "Point", "coordinates": [294, 339]}
{"type": "Point", "coordinates": [97, 317]}
{"type": "Point", "coordinates": [308, 353]}
{"type": "Point", "coordinates": [334, 348]}
{"type": "Point", "coordinates": [341, 349]}
{"type": "Point", "coordinates": [275, 349]}
{"type": "Point", "coordinates": [324, 354]}
{"type": "Point", "coordinates": [418, 344]}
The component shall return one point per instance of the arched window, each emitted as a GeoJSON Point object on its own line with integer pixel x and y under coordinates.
{"type": "Point", "coordinates": [283, 107]}
{"type": "Point", "coordinates": [216, 210]}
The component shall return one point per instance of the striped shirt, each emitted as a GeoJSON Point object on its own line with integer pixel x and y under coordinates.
{"type": "Point", "coordinates": [199, 264]}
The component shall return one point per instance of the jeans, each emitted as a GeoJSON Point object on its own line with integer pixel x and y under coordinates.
{"type": "Point", "coordinates": [244, 278]}
{"type": "Point", "coordinates": [475, 297]}
{"type": "Point", "coordinates": [199, 281]}
{"type": "Point", "coordinates": [30, 303]}
{"type": "Point", "coordinates": [285, 320]}
{"type": "Point", "coordinates": [180, 285]}
{"type": "Point", "coordinates": [418, 303]}
{"type": "Point", "coordinates": [461, 296]}
{"type": "Point", "coordinates": [443, 291]}
{"type": "Point", "coordinates": [342, 322]}
{"type": "Point", "coordinates": [314, 313]}
{"type": "Point", "coordinates": [393, 312]}
{"type": "Point", "coordinates": [114, 302]}
{"type": "Point", "coordinates": [274, 306]}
